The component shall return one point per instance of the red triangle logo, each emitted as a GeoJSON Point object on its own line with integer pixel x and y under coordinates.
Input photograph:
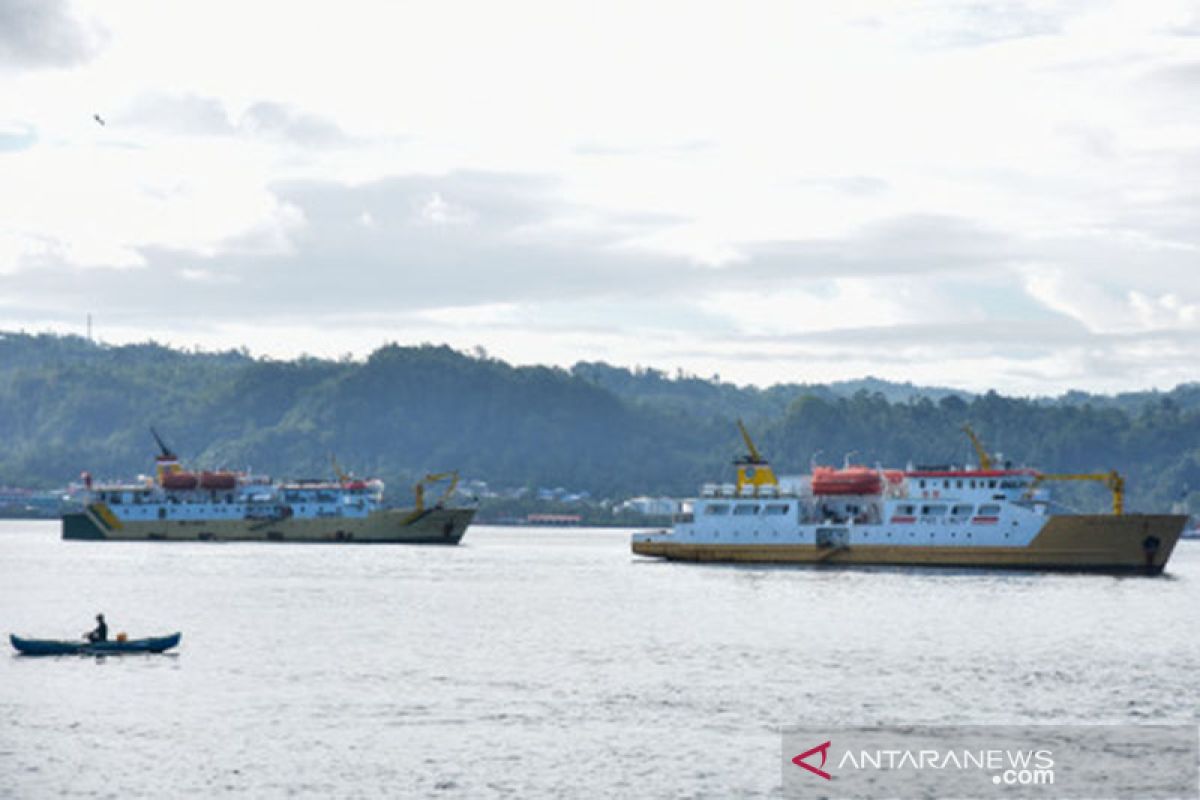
{"type": "Point", "coordinates": [823, 749]}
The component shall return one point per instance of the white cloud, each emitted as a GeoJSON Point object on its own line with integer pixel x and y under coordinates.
{"type": "Point", "coordinates": [1111, 308]}
{"type": "Point", "coordinates": [645, 183]}
{"type": "Point", "coordinates": [45, 33]}
{"type": "Point", "coordinates": [436, 211]}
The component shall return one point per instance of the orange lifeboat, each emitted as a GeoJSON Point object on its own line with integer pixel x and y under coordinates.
{"type": "Point", "coordinates": [180, 481]}
{"type": "Point", "coordinates": [852, 480]}
{"type": "Point", "coordinates": [218, 480]}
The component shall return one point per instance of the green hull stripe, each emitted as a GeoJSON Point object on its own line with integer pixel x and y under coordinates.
{"type": "Point", "coordinates": [80, 526]}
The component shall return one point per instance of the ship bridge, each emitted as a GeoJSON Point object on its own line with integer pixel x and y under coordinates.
{"type": "Point", "coordinates": [970, 484]}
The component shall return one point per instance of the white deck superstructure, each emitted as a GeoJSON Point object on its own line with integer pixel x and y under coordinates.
{"type": "Point", "coordinates": [968, 507]}
{"type": "Point", "coordinates": [249, 499]}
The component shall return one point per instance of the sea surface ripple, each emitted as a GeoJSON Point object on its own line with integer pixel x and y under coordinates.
{"type": "Point", "coordinates": [540, 663]}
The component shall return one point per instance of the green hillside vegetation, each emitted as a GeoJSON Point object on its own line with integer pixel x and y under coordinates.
{"type": "Point", "coordinates": [67, 404]}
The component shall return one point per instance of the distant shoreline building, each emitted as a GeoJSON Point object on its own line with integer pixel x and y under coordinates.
{"type": "Point", "coordinates": [650, 506]}
{"type": "Point", "coordinates": [553, 519]}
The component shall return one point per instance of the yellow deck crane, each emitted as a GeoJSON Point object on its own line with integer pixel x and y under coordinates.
{"type": "Point", "coordinates": [985, 461]}
{"type": "Point", "coordinates": [434, 477]}
{"type": "Point", "coordinates": [752, 468]}
{"type": "Point", "coordinates": [337, 470]}
{"type": "Point", "coordinates": [1112, 479]}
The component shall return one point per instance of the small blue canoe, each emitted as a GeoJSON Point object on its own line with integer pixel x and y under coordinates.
{"type": "Point", "coordinates": [50, 647]}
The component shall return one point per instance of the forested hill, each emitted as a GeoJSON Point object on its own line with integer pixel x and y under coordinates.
{"type": "Point", "coordinates": [67, 404]}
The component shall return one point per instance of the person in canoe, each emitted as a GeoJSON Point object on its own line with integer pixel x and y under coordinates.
{"type": "Point", "coordinates": [101, 632]}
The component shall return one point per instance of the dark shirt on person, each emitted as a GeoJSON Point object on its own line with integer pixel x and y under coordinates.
{"type": "Point", "coordinates": [100, 634]}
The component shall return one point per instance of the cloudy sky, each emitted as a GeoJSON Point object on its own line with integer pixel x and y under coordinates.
{"type": "Point", "coordinates": [974, 194]}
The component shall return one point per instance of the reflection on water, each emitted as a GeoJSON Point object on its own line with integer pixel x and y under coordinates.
{"type": "Point", "coordinates": [540, 664]}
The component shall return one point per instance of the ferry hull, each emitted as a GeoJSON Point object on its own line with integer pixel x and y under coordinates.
{"type": "Point", "coordinates": [389, 526]}
{"type": "Point", "coordinates": [1133, 543]}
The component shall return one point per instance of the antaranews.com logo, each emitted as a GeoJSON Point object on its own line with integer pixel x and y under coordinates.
{"type": "Point", "coordinates": [1084, 761]}
{"type": "Point", "coordinates": [1011, 767]}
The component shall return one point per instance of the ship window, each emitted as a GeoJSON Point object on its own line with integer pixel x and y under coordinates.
{"type": "Point", "coordinates": [991, 484]}
{"type": "Point", "coordinates": [745, 509]}
{"type": "Point", "coordinates": [776, 509]}
{"type": "Point", "coordinates": [905, 511]}
{"type": "Point", "coordinates": [922, 483]}
{"type": "Point", "coordinates": [989, 511]}
{"type": "Point", "coordinates": [716, 508]}
{"type": "Point", "coordinates": [931, 511]}
{"type": "Point", "coordinates": [958, 484]}
{"type": "Point", "coordinates": [972, 484]}
{"type": "Point", "coordinates": [962, 511]}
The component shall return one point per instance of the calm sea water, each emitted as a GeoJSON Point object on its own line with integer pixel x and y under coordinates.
{"type": "Point", "coordinates": [539, 663]}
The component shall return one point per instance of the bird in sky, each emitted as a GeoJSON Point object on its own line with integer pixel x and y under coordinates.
{"type": "Point", "coordinates": [98, 118]}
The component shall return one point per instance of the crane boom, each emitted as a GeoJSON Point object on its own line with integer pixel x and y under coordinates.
{"type": "Point", "coordinates": [985, 461]}
{"type": "Point", "coordinates": [434, 477]}
{"type": "Point", "coordinates": [166, 451]}
{"type": "Point", "coordinates": [337, 470]}
{"type": "Point", "coordinates": [753, 471]}
{"type": "Point", "coordinates": [754, 456]}
{"type": "Point", "coordinates": [1112, 479]}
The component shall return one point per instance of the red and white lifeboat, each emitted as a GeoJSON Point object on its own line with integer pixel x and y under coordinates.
{"type": "Point", "coordinates": [218, 480]}
{"type": "Point", "coordinates": [852, 480]}
{"type": "Point", "coordinates": [180, 481]}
